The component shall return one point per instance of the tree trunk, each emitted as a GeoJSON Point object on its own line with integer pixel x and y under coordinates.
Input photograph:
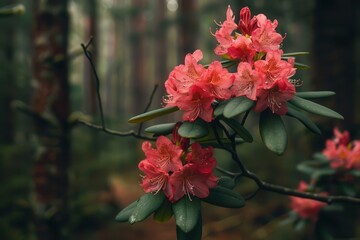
{"type": "Point", "coordinates": [188, 29]}
{"type": "Point", "coordinates": [139, 66]}
{"type": "Point", "coordinates": [51, 102]}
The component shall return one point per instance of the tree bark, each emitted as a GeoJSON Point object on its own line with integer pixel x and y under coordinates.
{"type": "Point", "coordinates": [51, 101]}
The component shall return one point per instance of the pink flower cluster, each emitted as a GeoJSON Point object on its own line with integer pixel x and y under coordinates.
{"type": "Point", "coordinates": [306, 208]}
{"type": "Point", "coordinates": [177, 169]}
{"type": "Point", "coordinates": [261, 74]}
{"type": "Point", "coordinates": [341, 152]}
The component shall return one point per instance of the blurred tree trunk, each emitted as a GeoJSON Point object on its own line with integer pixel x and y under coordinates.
{"type": "Point", "coordinates": [8, 83]}
{"type": "Point", "coordinates": [188, 29]}
{"type": "Point", "coordinates": [334, 56]}
{"type": "Point", "coordinates": [90, 103]}
{"type": "Point", "coordinates": [161, 47]}
{"type": "Point", "coordinates": [51, 102]}
{"type": "Point", "coordinates": [139, 66]}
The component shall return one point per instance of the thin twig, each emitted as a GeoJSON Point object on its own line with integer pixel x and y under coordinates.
{"type": "Point", "coordinates": [114, 132]}
{"type": "Point", "coordinates": [102, 127]}
{"type": "Point", "coordinates": [97, 80]}
{"type": "Point", "coordinates": [148, 106]}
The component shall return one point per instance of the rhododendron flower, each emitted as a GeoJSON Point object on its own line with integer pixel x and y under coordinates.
{"type": "Point", "coordinates": [306, 208]}
{"type": "Point", "coordinates": [275, 68]}
{"type": "Point", "coordinates": [202, 157]}
{"type": "Point", "coordinates": [354, 157]}
{"type": "Point", "coordinates": [155, 179]}
{"type": "Point", "coordinates": [176, 171]}
{"type": "Point", "coordinates": [197, 105]}
{"type": "Point", "coordinates": [265, 38]}
{"type": "Point", "coordinates": [247, 81]}
{"type": "Point", "coordinates": [275, 97]}
{"type": "Point", "coordinates": [217, 81]}
{"type": "Point", "coordinates": [247, 24]}
{"type": "Point", "coordinates": [341, 152]}
{"type": "Point", "coordinates": [190, 181]}
{"type": "Point", "coordinates": [166, 156]}
{"type": "Point", "coordinates": [241, 49]}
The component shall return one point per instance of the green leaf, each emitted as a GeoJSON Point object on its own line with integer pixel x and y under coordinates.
{"type": "Point", "coordinates": [12, 10]}
{"type": "Point", "coordinates": [161, 129]}
{"type": "Point", "coordinates": [226, 182]}
{"type": "Point", "coordinates": [164, 213]}
{"type": "Point", "coordinates": [292, 54]}
{"type": "Point", "coordinates": [239, 129]}
{"type": "Point", "coordinates": [301, 66]}
{"type": "Point", "coordinates": [303, 119]}
{"type": "Point", "coordinates": [196, 129]}
{"type": "Point", "coordinates": [321, 173]}
{"type": "Point", "coordinates": [187, 213]}
{"type": "Point", "coordinates": [314, 108]}
{"type": "Point", "coordinates": [309, 167]}
{"type": "Point", "coordinates": [237, 106]}
{"type": "Point", "coordinates": [124, 215]}
{"type": "Point", "coordinates": [315, 94]}
{"type": "Point", "coordinates": [146, 205]}
{"type": "Point", "coordinates": [219, 109]}
{"type": "Point", "coordinates": [224, 197]}
{"type": "Point", "coordinates": [152, 114]}
{"type": "Point", "coordinates": [194, 234]}
{"type": "Point", "coordinates": [214, 143]}
{"type": "Point", "coordinates": [273, 132]}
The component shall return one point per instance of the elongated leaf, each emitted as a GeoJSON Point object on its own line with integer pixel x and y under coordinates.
{"type": "Point", "coordinates": [273, 132]}
{"type": "Point", "coordinates": [226, 182]}
{"type": "Point", "coordinates": [187, 213]}
{"type": "Point", "coordinates": [146, 205]}
{"type": "Point", "coordinates": [152, 114]}
{"type": "Point", "coordinates": [304, 120]}
{"type": "Point", "coordinates": [194, 234]}
{"type": "Point", "coordinates": [237, 106]}
{"type": "Point", "coordinates": [196, 129]}
{"type": "Point", "coordinates": [293, 54]}
{"type": "Point", "coordinates": [301, 66]}
{"type": "Point", "coordinates": [164, 213]}
{"type": "Point", "coordinates": [315, 94]}
{"type": "Point", "coordinates": [239, 129]}
{"type": "Point", "coordinates": [161, 129]}
{"type": "Point", "coordinates": [214, 143]}
{"type": "Point", "coordinates": [314, 108]}
{"type": "Point", "coordinates": [124, 215]}
{"type": "Point", "coordinates": [219, 110]}
{"type": "Point", "coordinates": [224, 197]}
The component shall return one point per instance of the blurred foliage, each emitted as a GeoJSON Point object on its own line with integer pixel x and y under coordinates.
{"type": "Point", "coordinates": [103, 174]}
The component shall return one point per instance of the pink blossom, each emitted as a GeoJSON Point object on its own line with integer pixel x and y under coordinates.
{"type": "Point", "coordinates": [275, 97]}
{"type": "Point", "coordinates": [247, 81]}
{"type": "Point", "coordinates": [166, 156]}
{"type": "Point", "coordinates": [217, 81]}
{"type": "Point", "coordinates": [340, 152]}
{"type": "Point", "coordinates": [223, 35]}
{"type": "Point", "coordinates": [190, 182]}
{"type": "Point", "coordinates": [341, 138]}
{"type": "Point", "coordinates": [155, 179]}
{"type": "Point", "coordinates": [354, 156]}
{"type": "Point", "coordinates": [306, 208]}
{"type": "Point", "coordinates": [275, 68]}
{"type": "Point", "coordinates": [241, 49]}
{"type": "Point", "coordinates": [265, 38]}
{"type": "Point", "coordinates": [247, 25]}
{"type": "Point", "coordinates": [203, 158]}
{"type": "Point", "coordinates": [196, 105]}
{"type": "Point", "coordinates": [183, 77]}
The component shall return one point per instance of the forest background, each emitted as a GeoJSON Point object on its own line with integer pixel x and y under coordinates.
{"type": "Point", "coordinates": [46, 82]}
